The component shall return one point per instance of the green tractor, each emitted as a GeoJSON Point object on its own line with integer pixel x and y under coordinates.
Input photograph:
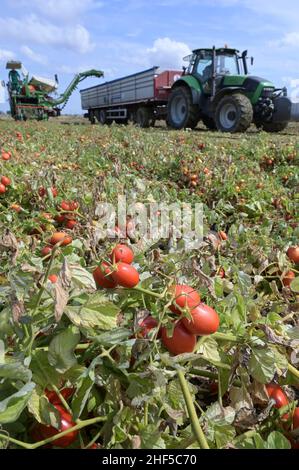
{"type": "Point", "coordinates": [216, 89]}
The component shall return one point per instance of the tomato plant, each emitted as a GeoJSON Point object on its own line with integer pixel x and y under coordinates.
{"type": "Point", "coordinates": [144, 339]}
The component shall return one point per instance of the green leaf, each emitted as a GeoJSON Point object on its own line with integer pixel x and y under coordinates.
{"type": "Point", "coordinates": [96, 312]}
{"type": "Point", "coordinates": [295, 285]}
{"type": "Point", "coordinates": [43, 373]}
{"type": "Point", "coordinates": [113, 337]}
{"type": "Point", "coordinates": [276, 440]}
{"type": "Point", "coordinates": [16, 371]}
{"type": "Point", "coordinates": [43, 411]}
{"type": "Point", "coordinates": [12, 406]}
{"type": "Point", "coordinates": [81, 277]}
{"type": "Point", "coordinates": [82, 394]}
{"type": "Point", "coordinates": [61, 350]}
{"type": "Point", "coordinates": [208, 348]}
{"type": "Point", "coordinates": [262, 365]}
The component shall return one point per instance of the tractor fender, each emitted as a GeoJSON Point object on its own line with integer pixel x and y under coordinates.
{"type": "Point", "coordinates": [226, 91]}
{"type": "Point", "coordinates": [193, 85]}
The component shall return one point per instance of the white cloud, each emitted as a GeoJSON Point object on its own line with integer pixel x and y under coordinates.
{"type": "Point", "coordinates": [6, 55]}
{"type": "Point", "coordinates": [167, 53]}
{"type": "Point", "coordinates": [37, 31]}
{"type": "Point", "coordinates": [34, 56]}
{"type": "Point", "coordinates": [65, 10]}
{"type": "Point", "coordinates": [289, 40]}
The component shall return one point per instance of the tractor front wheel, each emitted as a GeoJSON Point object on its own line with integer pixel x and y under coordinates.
{"type": "Point", "coordinates": [182, 113]}
{"type": "Point", "coordinates": [234, 113]}
{"type": "Point", "coordinates": [274, 126]}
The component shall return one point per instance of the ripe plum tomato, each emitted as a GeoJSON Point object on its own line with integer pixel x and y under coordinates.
{"type": "Point", "coordinates": [205, 320]}
{"type": "Point", "coordinates": [102, 276]}
{"type": "Point", "coordinates": [122, 253]}
{"type": "Point", "coordinates": [125, 275]}
{"type": "Point", "coordinates": [182, 341]}
{"type": "Point", "coordinates": [277, 394]}
{"type": "Point", "coordinates": [146, 325]}
{"type": "Point", "coordinates": [293, 251]}
{"type": "Point", "coordinates": [58, 237]}
{"type": "Point", "coordinates": [185, 296]}
{"type": "Point", "coordinates": [49, 431]}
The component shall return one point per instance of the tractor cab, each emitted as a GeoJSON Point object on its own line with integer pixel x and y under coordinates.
{"type": "Point", "coordinates": [209, 65]}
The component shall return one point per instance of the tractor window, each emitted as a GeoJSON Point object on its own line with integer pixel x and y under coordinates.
{"type": "Point", "coordinates": [227, 65]}
{"type": "Point", "coordinates": [204, 68]}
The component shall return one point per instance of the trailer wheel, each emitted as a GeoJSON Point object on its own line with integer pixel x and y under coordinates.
{"type": "Point", "coordinates": [234, 113]}
{"type": "Point", "coordinates": [182, 112]}
{"type": "Point", "coordinates": [92, 117]}
{"type": "Point", "coordinates": [102, 117]}
{"type": "Point", "coordinates": [143, 117]}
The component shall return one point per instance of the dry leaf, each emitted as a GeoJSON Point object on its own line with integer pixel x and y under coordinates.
{"type": "Point", "coordinates": [61, 290]}
{"type": "Point", "coordinates": [8, 242]}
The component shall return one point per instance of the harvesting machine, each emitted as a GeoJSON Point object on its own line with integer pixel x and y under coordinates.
{"type": "Point", "coordinates": [30, 98]}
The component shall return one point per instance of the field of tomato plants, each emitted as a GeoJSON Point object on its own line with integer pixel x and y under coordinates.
{"type": "Point", "coordinates": [129, 343]}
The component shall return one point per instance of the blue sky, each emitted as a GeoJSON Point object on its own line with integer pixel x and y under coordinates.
{"type": "Point", "coordinates": [122, 37]}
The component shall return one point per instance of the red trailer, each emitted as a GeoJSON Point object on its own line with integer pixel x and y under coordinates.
{"type": "Point", "coordinates": [141, 98]}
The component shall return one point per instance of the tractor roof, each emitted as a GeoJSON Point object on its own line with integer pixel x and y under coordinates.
{"type": "Point", "coordinates": [219, 51]}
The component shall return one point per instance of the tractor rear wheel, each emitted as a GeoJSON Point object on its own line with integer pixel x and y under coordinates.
{"type": "Point", "coordinates": [209, 123]}
{"type": "Point", "coordinates": [234, 113]}
{"type": "Point", "coordinates": [182, 113]}
{"type": "Point", "coordinates": [274, 126]}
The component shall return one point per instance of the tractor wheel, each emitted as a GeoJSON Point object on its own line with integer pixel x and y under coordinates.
{"type": "Point", "coordinates": [209, 123]}
{"type": "Point", "coordinates": [234, 113]}
{"type": "Point", "coordinates": [274, 126]}
{"type": "Point", "coordinates": [143, 117]}
{"type": "Point", "coordinates": [182, 113]}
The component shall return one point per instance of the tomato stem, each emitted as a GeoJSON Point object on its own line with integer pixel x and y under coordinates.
{"type": "Point", "coordinates": [148, 292]}
{"type": "Point", "coordinates": [77, 427]}
{"type": "Point", "coordinates": [293, 370]}
{"type": "Point", "coordinates": [197, 429]}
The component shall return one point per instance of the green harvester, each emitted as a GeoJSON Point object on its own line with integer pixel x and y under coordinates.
{"type": "Point", "coordinates": [30, 98]}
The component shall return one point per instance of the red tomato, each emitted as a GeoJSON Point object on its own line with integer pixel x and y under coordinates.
{"type": "Point", "coordinates": [54, 398]}
{"type": "Point", "coordinates": [70, 224]}
{"type": "Point", "coordinates": [5, 180]}
{"type": "Point", "coordinates": [293, 251]}
{"type": "Point", "coordinates": [146, 326]}
{"type": "Point", "coordinates": [60, 218]}
{"type": "Point", "coordinates": [181, 341]}
{"type": "Point", "coordinates": [46, 251]}
{"type": "Point", "coordinates": [205, 320]}
{"type": "Point", "coordinates": [66, 423]}
{"type": "Point", "coordinates": [53, 278]}
{"type": "Point", "coordinates": [222, 235]}
{"type": "Point", "coordinates": [16, 207]}
{"type": "Point", "coordinates": [126, 275]}
{"type": "Point", "coordinates": [276, 393]}
{"type": "Point", "coordinates": [2, 188]}
{"type": "Point", "coordinates": [65, 206]}
{"type": "Point", "coordinates": [73, 205]}
{"type": "Point", "coordinates": [54, 191]}
{"type": "Point", "coordinates": [58, 237]}
{"type": "Point", "coordinates": [122, 253]}
{"type": "Point", "coordinates": [42, 191]}
{"type": "Point", "coordinates": [288, 278]}
{"type": "Point", "coordinates": [6, 156]}
{"type": "Point", "coordinates": [221, 273]}
{"type": "Point", "coordinates": [185, 296]}
{"type": "Point", "coordinates": [102, 276]}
